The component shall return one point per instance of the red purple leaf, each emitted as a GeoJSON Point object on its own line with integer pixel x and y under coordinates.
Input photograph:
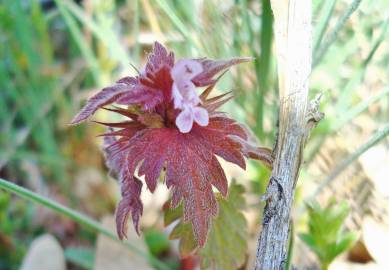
{"type": "Point", "coordinates": [106, 96]}
{"type": "Point", "coordinates": [159, 58]}
{"type": "Point", "coordinates": [130, 204]}
{"type": "Point", "coordinates": [191, 165]}
{"type": "Point", "coordinates": [212, 67]}
{"type": "Point", "coordinates": [141, 94]}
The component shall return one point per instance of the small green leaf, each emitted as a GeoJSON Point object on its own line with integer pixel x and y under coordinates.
{"type": "Point", "coordinates": [325, 236]}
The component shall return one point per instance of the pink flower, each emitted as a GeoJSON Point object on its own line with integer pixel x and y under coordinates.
{"type": "Point", "coordinates": [185, 96]}
{"type": "Point", "coordinates": [170, 128]}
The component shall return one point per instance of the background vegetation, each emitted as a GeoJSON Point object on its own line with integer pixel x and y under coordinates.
{"type": "Point", "coordinates": [55, 54]}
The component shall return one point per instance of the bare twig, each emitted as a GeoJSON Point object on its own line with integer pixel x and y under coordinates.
{"type": "Point", "coordinates": [292, 19]}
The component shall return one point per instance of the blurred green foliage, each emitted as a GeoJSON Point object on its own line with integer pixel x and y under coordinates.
{"type": "Point", "coordinates": [12, 231]}
{"type": "Point", "coordinates": [326, 236]}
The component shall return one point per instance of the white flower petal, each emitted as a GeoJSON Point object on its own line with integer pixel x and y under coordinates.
{"type": "Point", "coordinates": [201, 116]}
{"type": "Point", "coordinates": [184, 121]}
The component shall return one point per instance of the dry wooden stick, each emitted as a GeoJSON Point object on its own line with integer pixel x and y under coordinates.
{"type": "Point", "coordinates": [293, 38]}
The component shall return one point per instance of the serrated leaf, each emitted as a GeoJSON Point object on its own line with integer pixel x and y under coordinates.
{"type": "Point", "coordinates": [191, 167]}
{"type": "Point", "coordinates": [325, 234]}
{"type": "Point", "coordinates": [226, 246]}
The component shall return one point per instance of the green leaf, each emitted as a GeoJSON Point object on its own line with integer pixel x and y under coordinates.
{"type": "Point", "coordinates": [325, 236]}
{"type": "Point", "coordinates": [308, 240]}
{"type": "Point", "coordinates": [226, 246]}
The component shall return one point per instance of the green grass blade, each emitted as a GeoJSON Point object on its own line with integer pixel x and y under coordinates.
{"type": "Point", "coordinates": [264, 60]}
{"type": "Point", "coordinates": [383, 36]}
{"type": "Point", "coordinates": [259, 98]}
{"type": "Point", "coordinates": [325, 17]}
{"type": "Point", "coordinates": [78, 38]}
{"type": "Point", "coordinates": [179, 24]}
{"type": "Point", "coordinates": [136, 27]}
{"type": "Point", "coordinates": [356, 110]}
{"type": "Point", "coordinates": [106, 35]}
{"type": "Point", "coordinates": [319, 54]}
{"type": "Point", "coordinates": [76, 216]}
{"type": "Point", "coordinates": [344, 100]}
{"type": "Point", "coordinates": [289, 257]}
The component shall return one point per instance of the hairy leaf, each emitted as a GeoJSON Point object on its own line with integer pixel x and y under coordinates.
{"type": "Point", "coordinates": [213, 67]}
{"type": "Point", "coordinates": [191, 165]}
{"type": "Point", "coordinates": [106, 96]}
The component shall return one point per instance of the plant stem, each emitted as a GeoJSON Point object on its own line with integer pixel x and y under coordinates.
{"type": "Point", "coordinates": [76, 216]}
{"type": "Point", "coordinates": [292, 28]}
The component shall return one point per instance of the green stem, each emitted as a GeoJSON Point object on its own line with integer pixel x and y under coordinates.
{"type": "Point", "coordinates": [258, 97]}
{"type": "Point", "coordinates": [264, 62]}
{"type": "Point", "coordinates": [77, 217]}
